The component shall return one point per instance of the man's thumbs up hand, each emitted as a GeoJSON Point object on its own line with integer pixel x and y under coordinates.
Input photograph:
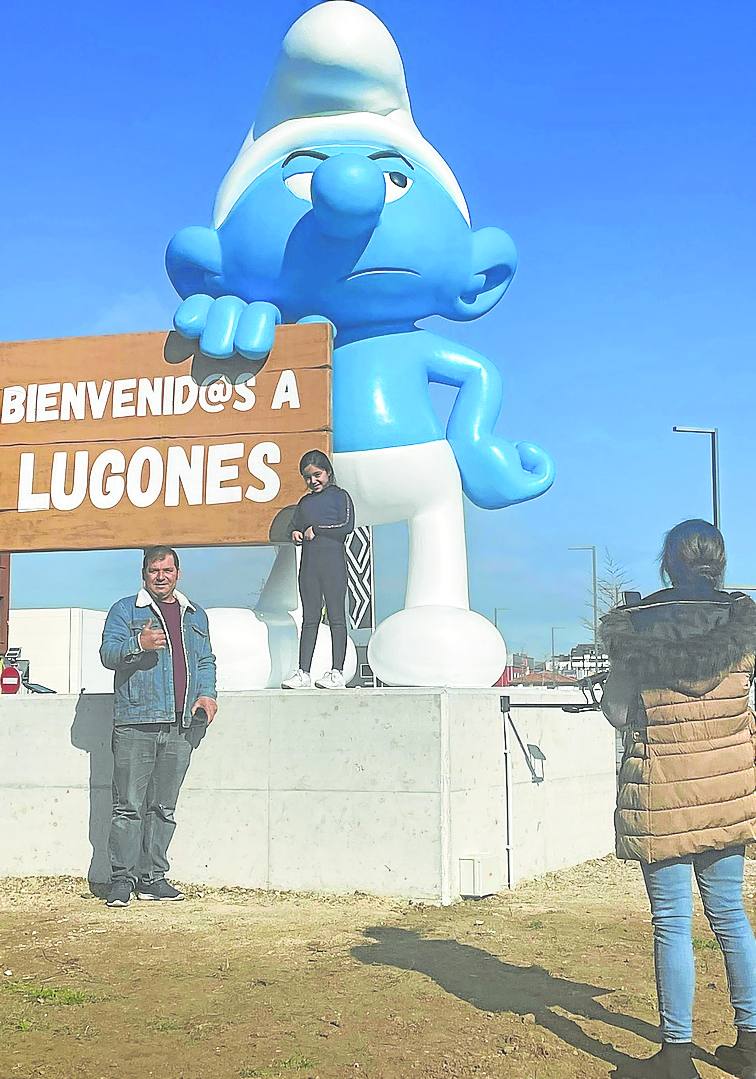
{"type": "Point", "coordinates": [152, 637]}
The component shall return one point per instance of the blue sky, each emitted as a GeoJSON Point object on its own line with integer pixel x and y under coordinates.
{"type": "Point", "coordinates": [614, 142]}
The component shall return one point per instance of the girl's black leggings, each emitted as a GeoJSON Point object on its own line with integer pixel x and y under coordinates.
{"type": "Point", "coordinates": [323, 576]}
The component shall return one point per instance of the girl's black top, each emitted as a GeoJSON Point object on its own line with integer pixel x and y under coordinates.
{"type": "Point", "coordinates": [330, 512]}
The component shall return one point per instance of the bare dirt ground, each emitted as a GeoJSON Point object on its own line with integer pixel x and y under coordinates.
{"type": "Point", "coordinates": [550, 981]}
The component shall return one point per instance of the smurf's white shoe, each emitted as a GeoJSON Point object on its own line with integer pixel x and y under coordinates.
{"type": "Point", "coordinates": [437, 646]}
{"type": "Point", "coordinates": [331, 680]}
{"type": "Point", "coordinates": [299, 680]}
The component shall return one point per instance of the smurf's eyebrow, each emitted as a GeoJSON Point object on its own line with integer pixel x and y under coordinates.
{"type": "Point", "coordinates": [391, 153]}
{"type": "Point", "coordinates": [305, 153]}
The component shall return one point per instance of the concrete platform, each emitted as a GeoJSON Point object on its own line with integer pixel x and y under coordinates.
{"type": "Point", "coordinates": [395, 792]}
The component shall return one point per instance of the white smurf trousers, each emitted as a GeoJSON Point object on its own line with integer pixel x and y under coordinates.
{"type": "Point", "coordinates": [436, 639]}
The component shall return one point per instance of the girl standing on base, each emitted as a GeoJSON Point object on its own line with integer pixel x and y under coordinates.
{"type": "Point", "coordinates": [682, 663]}
{"type": "Point", "coordinates": [323, 520]}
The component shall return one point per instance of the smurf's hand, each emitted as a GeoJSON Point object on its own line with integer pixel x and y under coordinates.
{"type": "Point", "coordinates": [317, 318]}
{"type": "Point", "coordinates": [496, 473]}
{"type": "Point", "coordinates": [228, 325]}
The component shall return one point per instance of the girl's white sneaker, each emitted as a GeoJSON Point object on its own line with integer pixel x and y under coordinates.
{"type": "Point", "coordinates": [299, 680]}
{"type": "Point", "coordinates": [331, 680]}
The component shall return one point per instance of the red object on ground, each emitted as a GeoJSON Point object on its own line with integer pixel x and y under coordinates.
{"type": "Point", "coordinates": [10, 680]}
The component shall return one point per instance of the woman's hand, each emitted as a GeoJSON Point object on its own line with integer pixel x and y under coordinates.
{"type": "Point", "coordinates": [296, 537]}
{"type": "Point", "coordinates": [309, 534]}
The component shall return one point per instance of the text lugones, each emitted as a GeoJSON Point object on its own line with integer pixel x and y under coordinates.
{"type": "Point", "coordinates": [205, 475]}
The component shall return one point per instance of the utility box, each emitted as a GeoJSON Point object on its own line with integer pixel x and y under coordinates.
{"type": "Point", "coordinates": [62, 646]}
{"type": "Point", "coordinates": [479, 875]}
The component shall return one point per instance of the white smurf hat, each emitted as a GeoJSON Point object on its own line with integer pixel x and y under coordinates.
{"type": "Point", "coordinates": [339, 79]}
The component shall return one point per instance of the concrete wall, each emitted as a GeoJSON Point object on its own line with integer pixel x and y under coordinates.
{"type": "Point", "coordinates": [569, 817]}
{"type": "Point", "coordinates": [382, 791]}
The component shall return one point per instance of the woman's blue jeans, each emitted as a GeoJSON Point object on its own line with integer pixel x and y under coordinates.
{"type": "Point", "coordinates": [720, 881]}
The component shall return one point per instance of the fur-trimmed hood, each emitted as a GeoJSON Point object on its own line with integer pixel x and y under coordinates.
{"type": "Point", "coordinates": [686, 644]}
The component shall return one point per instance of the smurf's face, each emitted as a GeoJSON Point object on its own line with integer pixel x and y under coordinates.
{"type": "Point", "coordinates": [361, 235]}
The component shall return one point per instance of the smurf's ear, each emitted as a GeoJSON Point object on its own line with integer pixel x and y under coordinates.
{"type": "Point", "coordinates": [493, 263]}
{"type": "Point", "coordinates": [193, 261]}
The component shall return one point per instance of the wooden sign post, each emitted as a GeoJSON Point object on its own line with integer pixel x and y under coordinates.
{"type": "Point", "coordinates": [130, 440]}
{"type": "Point", "coordinates": [4, 603]}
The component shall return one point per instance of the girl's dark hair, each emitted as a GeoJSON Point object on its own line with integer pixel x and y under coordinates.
{"type": "Point", "coordinates": [693, 551]}
{"type": "Point", "coordinates": [317, 458]}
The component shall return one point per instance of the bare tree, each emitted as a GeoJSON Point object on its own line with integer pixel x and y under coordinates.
{"type": "Point", "coordinates": [611, 582]}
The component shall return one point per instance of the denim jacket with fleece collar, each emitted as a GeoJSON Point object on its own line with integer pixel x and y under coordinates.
{"type": "Point", "coordinates": [144, 680]}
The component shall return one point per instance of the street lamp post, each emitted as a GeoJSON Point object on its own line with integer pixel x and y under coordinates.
{"type": "Point", "coordinates": [553, 652]}
{"type": "Point", "coordinates": [496, 614]}
{"type": "Point", "coordinates": [591, 547]}
{"type": "Point", "coordinates": [713, 434]}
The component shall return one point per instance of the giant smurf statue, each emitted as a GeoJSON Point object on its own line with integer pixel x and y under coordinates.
{"type": "Point", "coordinates": [336, 208]}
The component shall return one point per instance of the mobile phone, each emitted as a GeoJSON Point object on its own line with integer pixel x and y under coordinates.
{"type": "Point", "coordinates": [631, 599]}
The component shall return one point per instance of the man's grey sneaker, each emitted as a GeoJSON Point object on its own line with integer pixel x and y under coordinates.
{"type": "Point", "coordinates": [331, 680]}
{"type": "Point", "coordinates": [119, 894]}
{"type": "Point", "coordinates": [299, 680]}
{"type": "Point", "coordinates": [158, 890]}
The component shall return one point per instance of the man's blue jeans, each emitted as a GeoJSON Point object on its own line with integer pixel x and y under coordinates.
{"type": "Point", "coordinates": [150, 761]}
{"type": "Point", "coordinates": [720, 881]}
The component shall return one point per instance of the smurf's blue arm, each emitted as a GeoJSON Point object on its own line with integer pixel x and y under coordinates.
{"type": "Point", "coordinates": [495, 473]}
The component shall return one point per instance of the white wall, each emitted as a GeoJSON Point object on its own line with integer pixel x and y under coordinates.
{"type": "Point", "coordinates": [382, 791]}
{"type": "Point", "coordinates": [62, 646]}
{"type": "Point", "coordinates": [254, 649]}
{"type": "Point", "coordinates": [569, 817]}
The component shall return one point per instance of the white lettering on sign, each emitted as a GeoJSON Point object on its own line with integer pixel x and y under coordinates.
{"type": "Point", "coordinates": [47, 402]}
{"type": "Point", "coordinates": [14, 400]}
{"type": "Point", "coordinates": [287, 391]}
{"type": "Point", "coordinates": [247, 395]}
{"type": "Point", "coordinates": [106, 482]}
{"type": "Point", "coordinates": [209, 476]}
{"type": "Point", "coordinates": [28, 501]}
{"type": "Point", "coordinates": [73, 400]}
{"type": "Point", "coordinates": [186, 473]}
{"type": "Point", "coordinates": [125, 398]}
{"type": "Point", "coordinates": [59, 496]}
{"type": "Point", "coordinates": [257, 465]}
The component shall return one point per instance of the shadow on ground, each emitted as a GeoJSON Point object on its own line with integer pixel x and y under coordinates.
{"type": "Point", "coordinates": [490, 984]}
{"type": "Point", "coordinates": [92, 731]}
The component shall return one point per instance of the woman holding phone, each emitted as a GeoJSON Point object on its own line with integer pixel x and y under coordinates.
{"type": "Point", "coordinates": [682, 661]}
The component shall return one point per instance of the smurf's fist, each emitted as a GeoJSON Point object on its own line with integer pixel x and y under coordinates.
{"type": "Point", "coordinates": [152, 637]}
{"type": "Point", "coordinates": [496, 473]}
{"type": "Point", "coordinates": [227, 325]}
{"type": "Point", "coordinates": [536, 461]}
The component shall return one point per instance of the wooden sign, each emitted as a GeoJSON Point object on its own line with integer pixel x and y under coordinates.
{"type": "Point", "coordinates": [137, 439]}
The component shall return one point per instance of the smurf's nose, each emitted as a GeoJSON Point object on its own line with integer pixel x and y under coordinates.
{"type": "Point", "coordinates": [348, 194]}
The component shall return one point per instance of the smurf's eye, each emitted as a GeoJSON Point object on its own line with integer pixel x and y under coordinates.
{"type": "Point", "coordinates": [300, 184]}
{"type": "Point", "coordinates": [397, 185]}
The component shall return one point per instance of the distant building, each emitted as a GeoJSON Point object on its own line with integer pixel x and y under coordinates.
{"type": "Point", "coordinates": [578, 662]}
{"type": "Point", "coordinates": [545, 678]}
{"type": "Point", "coordinates": [518, 666]}
{"type": "Point", "coordinates": [583, 660]}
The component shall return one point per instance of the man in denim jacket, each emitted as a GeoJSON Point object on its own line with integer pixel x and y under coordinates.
{"type": "Point", "coordinates": [158, 644]}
